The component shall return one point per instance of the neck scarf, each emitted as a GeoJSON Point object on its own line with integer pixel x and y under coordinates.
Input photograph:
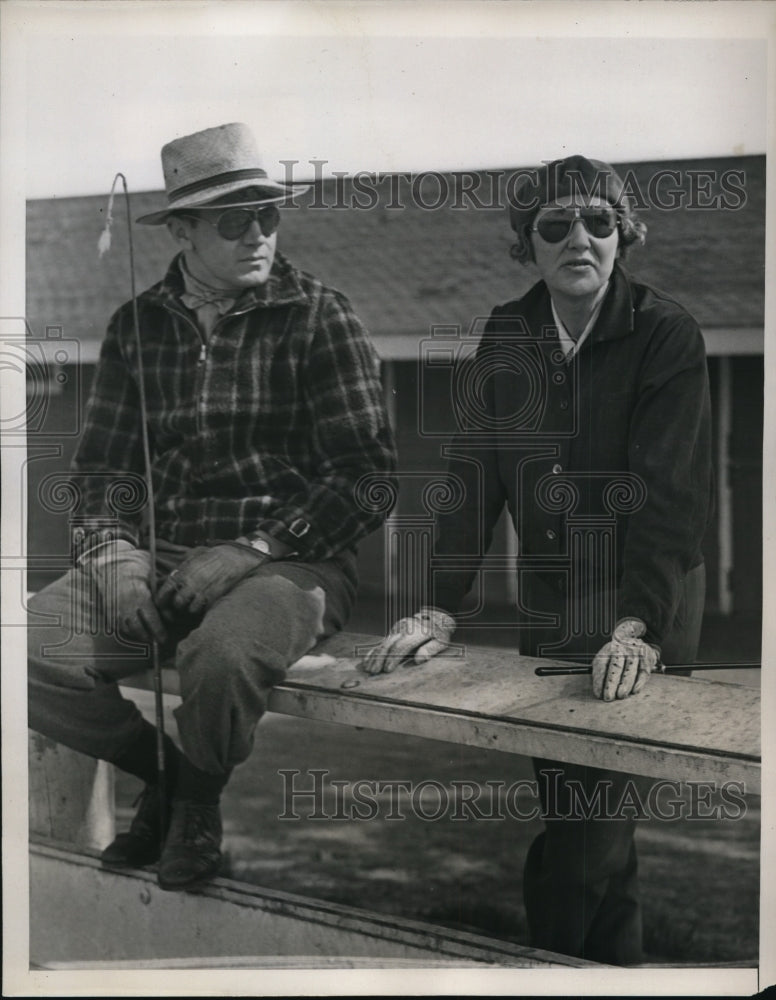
{"type": "Point", "coordinates": [198, 294]}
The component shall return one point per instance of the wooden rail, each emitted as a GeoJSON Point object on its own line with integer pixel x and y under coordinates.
{"type": "Point", "coordinates": [678, 728]}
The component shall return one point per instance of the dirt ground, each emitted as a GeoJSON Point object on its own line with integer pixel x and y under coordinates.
{"type": "Point", "coordinates": [699, 877]}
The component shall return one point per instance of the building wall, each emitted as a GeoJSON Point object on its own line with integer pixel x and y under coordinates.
{"type": "Point", "coordinates": [746, 483]}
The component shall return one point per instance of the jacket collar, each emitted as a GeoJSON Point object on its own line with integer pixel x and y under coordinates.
{"type": "Point", "coordinates": [616, 317]}
{"type": "Point", "coordinates": [283, 287]}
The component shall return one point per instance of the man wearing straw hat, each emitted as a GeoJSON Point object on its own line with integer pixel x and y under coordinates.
{"type": "Point", "coordinates": [262, 401]}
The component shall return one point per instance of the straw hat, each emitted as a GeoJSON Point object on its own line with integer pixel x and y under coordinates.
{"type": "Point", "coordinates": [209, 165]}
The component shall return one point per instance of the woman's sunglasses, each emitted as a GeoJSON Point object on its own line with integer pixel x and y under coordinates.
{"type": "Point", "coordinates": [555, 225]}
{"type": "Point", "coordinates": [235, 222]}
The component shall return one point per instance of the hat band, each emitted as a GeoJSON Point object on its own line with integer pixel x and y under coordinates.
{"type": "Point", "coordinates": [252, 173]}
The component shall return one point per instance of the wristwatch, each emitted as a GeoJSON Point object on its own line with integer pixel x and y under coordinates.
{"type": "Point", "coordinates": [260, 545]}
{"type": "Point", "coordinates": [273, 548]}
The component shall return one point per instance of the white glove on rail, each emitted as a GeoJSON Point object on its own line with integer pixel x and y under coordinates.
{"type": "Point", "coordinates": [622, 666]}
{"type": "Point", "coordinates": [427, 633]}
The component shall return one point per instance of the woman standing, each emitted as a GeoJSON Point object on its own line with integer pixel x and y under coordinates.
{"type": "Point", "coordinates": [591, 422]}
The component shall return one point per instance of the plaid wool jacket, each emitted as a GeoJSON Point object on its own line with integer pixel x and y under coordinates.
{"type": "Point", "coordinates": [270, 425]}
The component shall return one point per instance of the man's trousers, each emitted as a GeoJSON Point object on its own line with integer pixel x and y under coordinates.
{"type": "Point", "coordinates": [227, 661]}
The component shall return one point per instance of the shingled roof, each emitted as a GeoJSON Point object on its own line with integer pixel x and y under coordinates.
{"type": "Point", "coordinates": [406, 268]}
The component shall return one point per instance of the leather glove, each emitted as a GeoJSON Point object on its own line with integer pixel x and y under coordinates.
{"type": "Point", "coordinates": [622, 666]}
{"type": "Point", "coordinates": [122, 575]}
{"type": "Point", "coordinates": [206, 574]}
{"type": "Point", "coordinates": [422, 636]}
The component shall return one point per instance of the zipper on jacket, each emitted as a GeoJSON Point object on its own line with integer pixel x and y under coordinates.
{"type": "Point", "coordinates": [202, 358]}
{"type": "Point", "coordinates": [199, 381]}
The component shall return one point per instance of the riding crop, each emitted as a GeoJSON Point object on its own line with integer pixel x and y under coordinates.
{"type": "Point", "coordinates": [103, 247]}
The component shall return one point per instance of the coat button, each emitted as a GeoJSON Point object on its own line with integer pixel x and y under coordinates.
{"type": "Point", "coordinates": [564, 404]}
{"type": "Point", "coordinates": [557, 469]}
{"type": "Point", "coordinates": [551, 534]}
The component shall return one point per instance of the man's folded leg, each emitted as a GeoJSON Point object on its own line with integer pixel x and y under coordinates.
{"type": "Point", "coordinates": [74, 663]}
{"type": "Point", "coordinates": [227, 666]}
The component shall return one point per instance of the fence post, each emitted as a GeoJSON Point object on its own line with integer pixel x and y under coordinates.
{"type": "Point", "coordinates": [71, 796]}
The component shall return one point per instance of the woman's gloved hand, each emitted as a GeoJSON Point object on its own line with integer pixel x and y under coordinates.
{"type": "Point", "coordinates": [427, 633]}
{"type": "Point", "coordinates": [122, 575]}
{"type": "Point", "coordinates": [622, 666]}
{"type": "Point", "coordinates": [206, 574]}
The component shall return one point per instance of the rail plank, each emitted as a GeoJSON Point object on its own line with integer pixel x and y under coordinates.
{"type": "Point", "coordinates": [678, 728]}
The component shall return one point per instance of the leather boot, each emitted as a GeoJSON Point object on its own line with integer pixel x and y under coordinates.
{"type": "Point", "coordinates": [192, 851]}
{"type": "Point", "coordinates": [141, 844]}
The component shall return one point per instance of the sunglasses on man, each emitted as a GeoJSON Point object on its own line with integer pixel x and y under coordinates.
{"type": "Point", "coordinates": [233, 223]}
{"type": "Point", "coordinates": [556, 224]}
